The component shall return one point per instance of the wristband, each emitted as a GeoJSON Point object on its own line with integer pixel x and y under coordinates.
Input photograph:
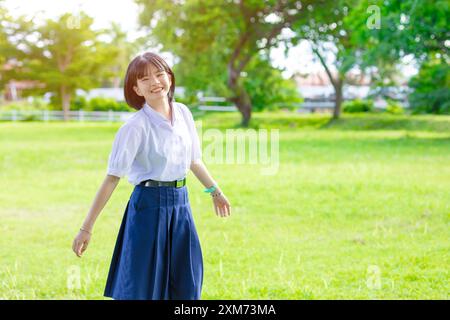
{"type": "Point", "coordinates": [210, 190]}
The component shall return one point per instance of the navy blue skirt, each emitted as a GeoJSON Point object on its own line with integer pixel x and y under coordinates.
{"type": "Point", "coordinates": [157, 255]}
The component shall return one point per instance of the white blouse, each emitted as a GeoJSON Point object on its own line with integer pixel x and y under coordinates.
{"type": "Point", "coordinates": [148, 146]}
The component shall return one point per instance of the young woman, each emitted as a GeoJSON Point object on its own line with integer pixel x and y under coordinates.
{"type": "Point", "coordinates": [157, 254]}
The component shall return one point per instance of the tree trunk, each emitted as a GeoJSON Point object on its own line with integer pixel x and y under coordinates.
{"type": "Point", "coordinates": [241, 98]}
{"type": "Point", "coordinates": [337, 83]}
{"type": "Point", "coordinates": [244, 106]}
{"type": "Point", "coordinates": [65, 99]}
{"type": "Point", "coordinates": [338, 101]}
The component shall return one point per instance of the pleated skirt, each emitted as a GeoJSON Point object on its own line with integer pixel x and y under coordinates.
{"type": "Point", "coordinates": [157, 255]}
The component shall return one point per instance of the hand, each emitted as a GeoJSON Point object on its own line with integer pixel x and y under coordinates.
{"type": "Point", "coordinates": [81, 242]}
{"type": "Point", "coordinates": [221, 205]}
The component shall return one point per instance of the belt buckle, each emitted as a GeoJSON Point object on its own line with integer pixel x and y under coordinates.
{"type": "Point", "coordinates": [179, 184]}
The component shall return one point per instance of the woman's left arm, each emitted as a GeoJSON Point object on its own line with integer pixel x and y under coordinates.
{"type": "Point", "coordinates": [221, 204]}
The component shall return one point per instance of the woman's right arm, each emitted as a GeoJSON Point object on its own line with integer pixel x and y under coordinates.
{"type": "Point", "coordinates": [104, 193]}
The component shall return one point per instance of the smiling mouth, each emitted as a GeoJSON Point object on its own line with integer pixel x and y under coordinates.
{"type": "Point", "coordinates": [157, 90]}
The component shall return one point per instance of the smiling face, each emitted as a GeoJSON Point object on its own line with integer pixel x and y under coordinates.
{"type": "Point", "coordinates": [154, 85]}
{"type": "Point", "coordinates": [148, 79]}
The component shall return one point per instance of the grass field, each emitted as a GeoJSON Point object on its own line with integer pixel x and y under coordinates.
{"type": "Point", "coordinates": [359, 209]}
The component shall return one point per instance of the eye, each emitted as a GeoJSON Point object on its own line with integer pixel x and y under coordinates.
{"type": "Point", "coordinates": [161, 74]}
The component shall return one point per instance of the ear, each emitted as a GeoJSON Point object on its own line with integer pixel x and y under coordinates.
{"type": "Point", "coordinates": [138, 92]}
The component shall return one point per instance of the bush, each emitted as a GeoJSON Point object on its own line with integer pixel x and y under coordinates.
{"type": "Point", "coordinates": [30, 117]}
{"type": "Point", "coordinates": [33, 103]}
{"type": "Point", "coordinates": [78, 103]}
{"type": "Point", "coordinates": [19, 106]}
{"type": "Point", "coordinates": [358, 105]}
{"type": "Point", "coordinates": [98, 104]}
{"type": "Point", "coordinates": [39, 103]}
{"type": "Point", "coordinates": [394, 107]}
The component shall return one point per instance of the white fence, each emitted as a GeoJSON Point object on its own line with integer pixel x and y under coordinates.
{"type": "Point", "coordinates": [115, 116]}
{"type": "Point", "coordinates": [79, 115]}
{"type": "Point", "coordinates": [205, 107]}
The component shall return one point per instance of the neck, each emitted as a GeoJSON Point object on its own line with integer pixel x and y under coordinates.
{"type": "Point", "coordinates": [160, 105]}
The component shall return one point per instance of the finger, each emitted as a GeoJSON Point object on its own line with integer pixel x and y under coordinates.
{"type": "Point", "coordinates": [222, 213]}
{"type": "Point", "coordinates": [227, 208]}
{"type": "Point", "coordinates": [75, 247]}
{"type": "Point", "coordinates": [215, 208]}
{"type": "Point", "coordinates": [224, 209]}
{"type": "Point", "coordinates": [74, 244]}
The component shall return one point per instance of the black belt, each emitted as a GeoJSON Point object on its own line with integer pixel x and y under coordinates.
{"type": "Point", "coordinates": [154, 183]}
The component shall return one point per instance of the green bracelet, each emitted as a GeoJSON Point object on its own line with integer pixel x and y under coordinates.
{"type": "Point", "coordinates": [209, 190]}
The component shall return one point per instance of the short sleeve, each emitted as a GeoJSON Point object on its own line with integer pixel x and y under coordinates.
{"type": "Point", "coordinates": [196, 153]}
{"type": "Point", "coordinates": [124, 149]}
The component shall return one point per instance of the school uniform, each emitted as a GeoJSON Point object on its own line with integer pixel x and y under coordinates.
{"type": "Point", "coordinates": [157, 254]}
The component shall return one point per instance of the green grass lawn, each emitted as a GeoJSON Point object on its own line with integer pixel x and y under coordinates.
{"type": "Point", "coordinates": [359, 209]}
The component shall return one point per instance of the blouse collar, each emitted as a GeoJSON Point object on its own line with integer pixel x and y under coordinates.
{"type": "Point", "coordinates": [158, 117]}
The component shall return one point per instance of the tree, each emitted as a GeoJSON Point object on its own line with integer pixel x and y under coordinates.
{"type": "Point", "coordinates": [5, 45]}
{"type": "Point", "coordinates": [267, 88]}
{"type": "Point", "coordinates": [125, 50]}
{"type": "Point", "coordinates": [329, 34]}
{"type": "Point", "coordinates": [431, 88]}
{"type": "Point", "coordinates": [12, 33]}
{"type": "Point", "coordinates": [220, 38]}
{"type": "Point", "coordinates": [67, 55]}
{"type": "Point", "coordinates": [411, 28]}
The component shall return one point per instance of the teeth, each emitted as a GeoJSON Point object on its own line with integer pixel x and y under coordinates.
{"type": "Point", "coordinates": [159, 89]}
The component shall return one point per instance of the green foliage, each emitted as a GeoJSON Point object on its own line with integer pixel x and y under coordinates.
{"type": "Point", "coordinates": [215, 41]}
{"type": "Point", "coordinates": [79, 102]}
{"type": "Point", "coordinates": [358, 105]}
{"type": "Point", "coordinates": [431, 89]}
{"type": "Point", "coordinates": [407, 27]}
{"type": "Point", "coordinates": [31, 117]}
{"type": "Point", "coordinates": [16, 106]}
{"type": "Point", "coordinates": [267, 88]}
{"type": "Point", "coordinates": [37, 103]}
{"type": "Point", "coordinates": [12, 32]}
{"type": "Point", "coordinates": [200, 34]}
{"type": "Point", "coordinates": [65, 55]}
{"type": "Point", "coordinates": [394, 107]}
{"type": "Point", "coordinates": [105, 104]}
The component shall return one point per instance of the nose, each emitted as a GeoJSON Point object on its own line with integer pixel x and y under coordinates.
{"type": "Point", "coordinates": [155, 81]}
